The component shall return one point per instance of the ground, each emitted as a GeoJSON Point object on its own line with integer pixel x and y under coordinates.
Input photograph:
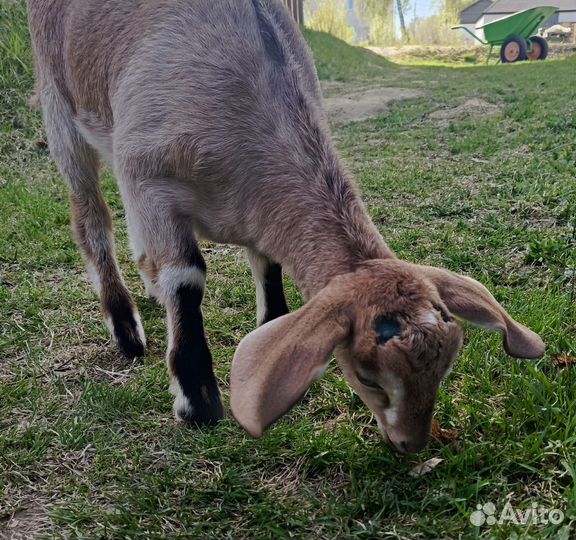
{"type": "Point", "coordinates": [471, 54]}
{"type": "Point", "coordinates": [471, 168]}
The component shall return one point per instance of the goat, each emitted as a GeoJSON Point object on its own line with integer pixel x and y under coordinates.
{"type": "Point", "coordinates": [210, 115]}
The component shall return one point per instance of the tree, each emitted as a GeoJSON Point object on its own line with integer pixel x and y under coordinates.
{"type": "Point", "coordinates": [435, 29]}
{"type": "Point", "coordinates": [379, 14]}
{"type": "Point", "coordinates": [400, 8]}
{"type": "Point", "coordinates": [450, 10]}
{"type": "Point", "coordinates": [330, 16]}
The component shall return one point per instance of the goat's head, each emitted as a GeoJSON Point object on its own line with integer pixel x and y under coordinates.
{"type": "Point", "coordinates": [393, 330]}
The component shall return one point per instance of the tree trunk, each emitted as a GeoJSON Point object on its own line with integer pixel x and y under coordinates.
{"type": "Point", "coordinates": [402, 22]}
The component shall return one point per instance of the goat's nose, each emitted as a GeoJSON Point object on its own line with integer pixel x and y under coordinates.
{"type": "Point", "coordinates": [401, 446]}
{"type": "Point", "coordinates": [409, 447]}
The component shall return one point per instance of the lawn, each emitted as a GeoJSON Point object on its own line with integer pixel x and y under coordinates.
{"type": "Point", "coordinates": [88, 444]}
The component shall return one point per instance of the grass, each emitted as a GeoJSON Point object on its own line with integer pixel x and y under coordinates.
{"type": "Point", "coordinates": [337, 61]}
{"type": "Point", "coordinates": [88, 446]}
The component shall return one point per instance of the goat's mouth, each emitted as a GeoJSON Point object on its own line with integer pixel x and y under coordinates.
{"type": "Point", "coordinates": [402, 447]}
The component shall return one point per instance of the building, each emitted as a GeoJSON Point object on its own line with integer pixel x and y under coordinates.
{"type": "Point", "coordinates": [566, 14]}
{"type": "Point", "coordinates": [473, 16]}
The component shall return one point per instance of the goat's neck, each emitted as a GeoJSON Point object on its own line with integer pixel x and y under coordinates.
{"type": "Point", "coordinates": [327, 240]}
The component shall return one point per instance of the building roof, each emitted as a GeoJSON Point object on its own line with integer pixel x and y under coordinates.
{"type": "Point", "coordinates": [505, 7]}
{"type": "Point", "coordinates": [473, 12]}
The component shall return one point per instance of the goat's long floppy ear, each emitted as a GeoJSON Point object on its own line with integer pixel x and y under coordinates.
{"type": "Point", "coordinates": [470, 300]}
{"type": "Point", "coordinates": [275, 364]}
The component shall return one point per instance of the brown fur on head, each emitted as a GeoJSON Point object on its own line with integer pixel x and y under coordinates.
{"type": "Point", "coordinates": [395, 337]}
{"type": "Point", "coordinates": [403, 344]}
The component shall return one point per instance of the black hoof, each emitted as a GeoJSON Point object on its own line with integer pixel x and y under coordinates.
{"type": "Point", "coordinates": [127, 329]}
{"type": "Point", "coordinates": [202, 408]}
{"type": "Point", "coordinates": [130, 345]}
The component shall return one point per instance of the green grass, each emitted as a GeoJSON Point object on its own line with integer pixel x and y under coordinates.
{"type": "Point", "coordinates": [88, 446]}
{"type": "Point", "coordinates": [337, 61]}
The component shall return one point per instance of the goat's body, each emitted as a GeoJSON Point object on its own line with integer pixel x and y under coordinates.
{"type": "Point", "coordinates": [215, 108]}
{"type": "Point", "coordinates": [209, 113]}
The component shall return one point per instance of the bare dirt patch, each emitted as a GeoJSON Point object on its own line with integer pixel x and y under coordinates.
{"type": "Point", "coordinates": [363, 104]}
{"type": "Point", "coordinates": [26, 523]}
{"type": "Point", "coordinates": [471, 108]}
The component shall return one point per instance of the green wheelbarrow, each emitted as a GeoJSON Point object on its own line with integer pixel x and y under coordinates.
{"type": "Point", "coordinates": [514, 35]}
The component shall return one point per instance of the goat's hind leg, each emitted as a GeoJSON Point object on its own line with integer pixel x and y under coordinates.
{"type": "Point", "coordinates": [270, 300]}
{"type": "Point", "coordinates": [91, 222]}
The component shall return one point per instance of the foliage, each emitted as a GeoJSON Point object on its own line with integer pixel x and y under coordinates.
{"type": "Point", "coordinates": [449, 10]}
{"type": "Point", "coordinates": [330, 16]}
{"type": "Point", "coordinates": [379, 14]}
{"type": "Point", "coordinates": [436, 29]}
{"type": "Point", "coordinates": [433, 30]}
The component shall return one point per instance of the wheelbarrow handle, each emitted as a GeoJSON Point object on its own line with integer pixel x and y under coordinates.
{"type": "Point", "coordinates": [471, 33]}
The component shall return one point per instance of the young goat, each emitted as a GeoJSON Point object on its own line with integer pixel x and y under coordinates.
{"type": "Point", "coordinates": [210, 115]}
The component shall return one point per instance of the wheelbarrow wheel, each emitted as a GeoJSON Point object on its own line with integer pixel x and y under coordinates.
{"type": "Point", "coordinates": [514, 49]}
{"type": "Point", "coordinates": [539, 48]}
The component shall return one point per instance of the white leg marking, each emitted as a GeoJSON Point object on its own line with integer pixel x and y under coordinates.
{"type": "Point", "coordinates": [139, 328]}
{"type": "Point", "coordinates": [109, 324]}
{"type": "Point", "coordinates": [169, 324]}
{"type": "Point", "coordinates": [181, 402]}
{"type": "Point", "coordinates": [152, 290]}
{"type": "Point", "coordinates": [172, 278]}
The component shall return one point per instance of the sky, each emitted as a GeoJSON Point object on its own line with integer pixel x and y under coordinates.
{"type": "Point", "coordinates": [420, 8]}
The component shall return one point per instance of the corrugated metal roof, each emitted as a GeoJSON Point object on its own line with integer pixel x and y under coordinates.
{"type": "Point", "coordinates": [472, 13]}
{"type": "Point", "coordinates": [512, 6]}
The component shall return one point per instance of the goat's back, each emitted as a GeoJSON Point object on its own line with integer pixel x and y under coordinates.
{"type": "Point", "coordinates": [222, 95]}
{"type": "Point", "coordinates": [187, 65]}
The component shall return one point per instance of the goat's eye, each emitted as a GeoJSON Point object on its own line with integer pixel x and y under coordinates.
{"type": "Point", "coordinates": [386, 329]}
{"type": "Point", "coordinates": [367, 382]}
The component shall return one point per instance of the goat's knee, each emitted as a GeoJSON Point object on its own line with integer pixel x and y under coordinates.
{"type": "Point", "coordinates": [149, 273]}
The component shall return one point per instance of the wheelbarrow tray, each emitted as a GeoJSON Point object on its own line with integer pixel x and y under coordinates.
{"type": "Point", "coordinates": [523, 23]}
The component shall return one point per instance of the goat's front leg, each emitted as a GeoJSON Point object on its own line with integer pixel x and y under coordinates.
{"type": "Point", "coordinates": [197, 398]}
{"type": "Point", "coordinates": [170, 260]}
{"type": "Point", "coordinates": [270, 300]}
